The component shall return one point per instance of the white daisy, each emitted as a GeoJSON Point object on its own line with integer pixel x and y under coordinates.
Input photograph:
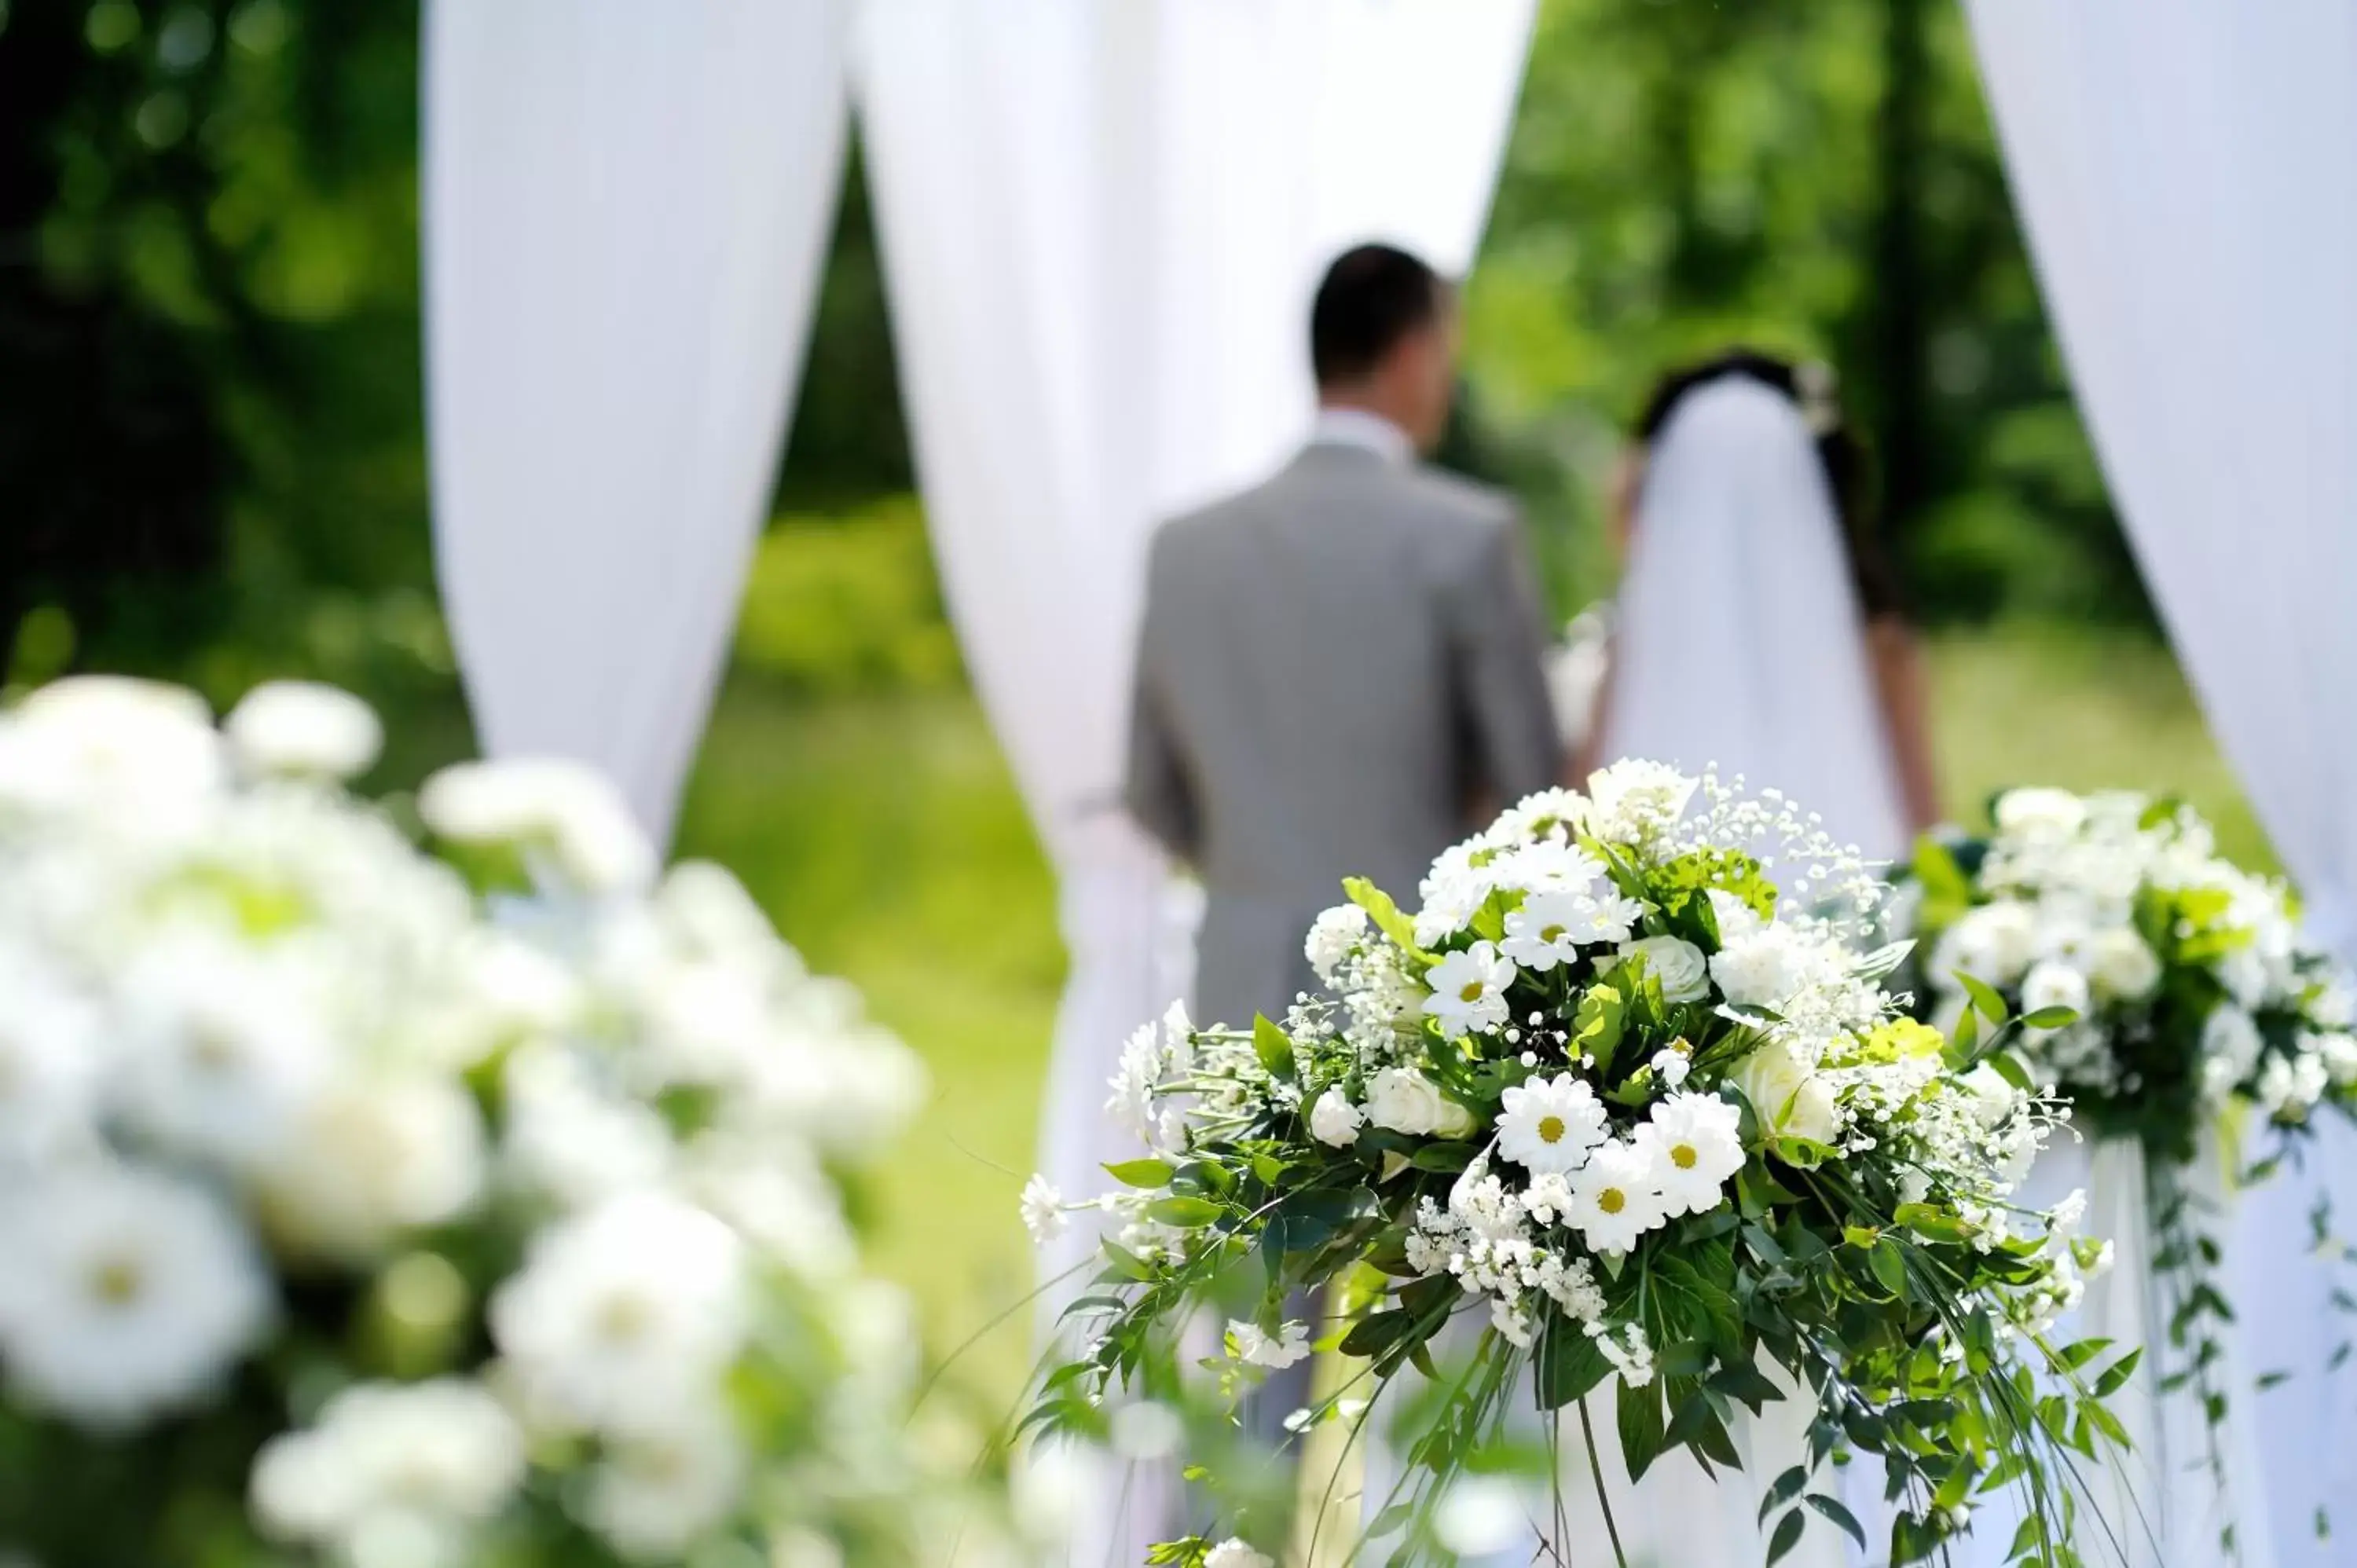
{"type": "Point", "coordinates": [1550, 929]}
{"type": "Point", "coordinates": [1043, 1211]}
{"type": "Point", "coordinates": [1469, 991]}
{"type": "Point", "coordinates": [1613, 1198]}
{"type": "Point", "coordinates": [127, 1293]}
{"type": "Point", "coordinates": [1695, 1144]}
{"type": "Point", "coordinates": [1550, 1125]}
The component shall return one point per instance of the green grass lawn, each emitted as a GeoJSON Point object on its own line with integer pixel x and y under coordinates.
{"type": "Point", "coordinates": [885, 836]}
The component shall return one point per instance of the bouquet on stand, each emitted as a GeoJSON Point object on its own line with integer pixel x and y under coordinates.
{"type": "Point", "coordinates": [2172, 1002]}
{"type": "Point", "coordinates": [1639, 1118]}
{"type": "Point", "coordinates": [359, 1210]}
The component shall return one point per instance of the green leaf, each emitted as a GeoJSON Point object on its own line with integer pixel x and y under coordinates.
{"type": "Point", "coordinates": [1268, 1167]}
{"type": "Point", "coordinates": [1569, 1365]}
{"type": "Point", "coordinates": [1964, 1039]}
{"type": "Point", "coordinates": [1640, 1421]}
{"type": "Point", "coordinates": [2116, 1376]}
{"type": "Point", "coordinates": [1944, 882]}
{"type": "Point", "coordinates": [1141, 1173]}
{"type": "Point", "coordinates": [1187, 1213]}
{"type": "Point", "coordinates": [1889, 1266]}
{"type": "Point", "coordinates": [1839, 1515]}
{"type": "Point", "coordinates": [1787, 1536]}
{"type": "Point", "coordinates": [2051, 1017]}
{"type": "Point", "coordinates": [1383, 912]}
{"type": "Point", "coordinates": [1377, 1333]}
{"type": "Point", "coordinates": [1596, 1026]}
{"type": "Point", "coordinates": [1787, 1487]}
{"type": "Point", "coordinates": [1985, 998]}
{"type": "Point", "coordinates": [1274, 1047]}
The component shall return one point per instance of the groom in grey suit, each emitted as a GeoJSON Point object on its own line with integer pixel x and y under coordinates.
{"type": "Point", "coordinates": [1341, 667]}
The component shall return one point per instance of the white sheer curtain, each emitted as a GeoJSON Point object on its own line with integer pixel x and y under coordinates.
{"type": "Point", "coordinates": [626, 207]}
{"type": "Point", "coordinates": [2185, 170]}
{"type": "Point", "coordinates": [1101, 225]}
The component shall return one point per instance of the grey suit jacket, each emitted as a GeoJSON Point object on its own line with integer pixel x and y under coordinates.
{"type": "Point", "coordinates": [1334, 668]}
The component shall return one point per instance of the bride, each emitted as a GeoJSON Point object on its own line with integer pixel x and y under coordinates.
{"type": "Point", "coordinates": [1758, 628]}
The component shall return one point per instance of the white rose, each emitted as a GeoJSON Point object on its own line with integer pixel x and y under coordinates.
{"type": "Point", "coordinates": [1404, 1101]}
{"type": "Point", "coordinates": [2125, 967]}
{"type": "Point", "coordinates": [1679, 966]}
{"type": "Point", "coordinates": [2051, 985]}
{"type": "Point", "coordinates": [1454, 1121]}
{"type": "Point", "coordinates": [1789, 1096]}
{"type": "Point", "coordinates": [1334, 1119]}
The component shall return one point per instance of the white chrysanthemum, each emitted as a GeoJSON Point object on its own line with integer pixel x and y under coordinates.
{"type": "Point", "coordinates": [1043, 1211]}
{"type": "Point", "coordinates": [1451, 894]}
{"type": "Point", "coordinates": [222, 1050]}
{"type": "Point", "coordinates": [369, 1160]}
{"type": "Point", "coordinates": [51, 1058]}
{"type": "Point", "coordinates": [1254, 1347]}
{"type": "Point", "coordinates": [661, 1487]}
{"type": "Point", "coordinates": [1677, 965]}
{"type": "Point", "coordinates": [2123, 967]}
{"type": "Point", "coordinates": [1614, 1200]}
{"type": "Point", "coordinates": [623, 1314]}
{"type": "Point", "coordinates": [1995, 943]}
{"type": "Point", "coordinates": [1546, 866]}
{"type": "Point", "coordinates": [141, 752]}
{"type": "Point", "coordinates": [2039, 813]}
{"type": "Point", "coordinates": [1332, 938]}
{"type": "Point", "coordinates": [126, 1295]}
{"type": "Point", "coordinates": [1469, 991]}
{"type": "Point", "coordinates": [304, 728]}
{"type": "Point", "coordinates": [567, 1138]}
{"type": "Point", "coordinates": [1550, 1125]}
{"type": "Point", "coordinates": [1334, 1121]}
{"type": "Point", "coordinates": [422, 1461]}
{"type": "Point", "coordinates": [565, 811]}
{"type": "Point", "coordinates": [1694, 1142]}
{"type": "Point", "coordinates": [1767, 967]}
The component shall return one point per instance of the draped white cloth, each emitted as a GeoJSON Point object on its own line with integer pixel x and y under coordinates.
{"type": "Point", "coordinates": [1740, 636]}
{"type": "Point", "coordinates": [626, 208]}
{"type": "Point", "coordinates": [2184, 173]}
{"type": "Point", "coordinates": [1101, 226]}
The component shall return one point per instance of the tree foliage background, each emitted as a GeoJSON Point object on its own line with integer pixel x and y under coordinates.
{"type": "Point", "coordinates": [211, 458]}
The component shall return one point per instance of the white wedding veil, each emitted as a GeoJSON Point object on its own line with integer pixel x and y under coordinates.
{"type": "Point", "coordinates": [1741, 641]}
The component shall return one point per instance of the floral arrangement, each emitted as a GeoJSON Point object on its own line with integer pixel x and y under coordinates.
{"type": "Point", "coordinates": [2187, 985]}
{"type": "Point", "coordinates": [386, 1213]}
{"type": "Point", "coordinates": [2168, 993]}
{"type": "Point", "coordinates": [1634, 1115]}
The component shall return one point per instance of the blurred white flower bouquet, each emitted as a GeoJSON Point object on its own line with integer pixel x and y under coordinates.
{"type": "Point", "coordinates": [409, 1215]}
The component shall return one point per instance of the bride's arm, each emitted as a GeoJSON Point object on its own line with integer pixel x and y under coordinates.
{"type": "Point", "coordinates": [1899, 689]}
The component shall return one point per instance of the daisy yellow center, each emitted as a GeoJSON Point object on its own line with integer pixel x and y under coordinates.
{"type": "Point", "coordinates": [1613, 1201]}
{"type": "Point", "coordinates": [1552, 933]}
{"type": "Point", "coordinates": [1472, 993]}
{"type": "Point", "coordinates": [213, 1050]}
{"type": "Point", "coordinates": [624, 1318]}
{"type": "Point", "coordinates": [116, 1282]}
{"type": "Point", "coordinates": [1551, 1129]}
{"type": "Point", "coordinates": [1683, 1155]}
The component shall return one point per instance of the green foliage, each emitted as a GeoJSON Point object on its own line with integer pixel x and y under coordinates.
{"type": "Point", "coordinates": [847, 603]}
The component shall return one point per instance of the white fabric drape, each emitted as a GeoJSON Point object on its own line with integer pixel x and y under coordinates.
{"type": "Point", "coordinates": [1101, 225]}
{"type": "Point", "coordinates": [626, 208]}
{"type": "Point", "coordinates": [2184, 172]}
{"type": "Point", "coordinates": [1740, 639]}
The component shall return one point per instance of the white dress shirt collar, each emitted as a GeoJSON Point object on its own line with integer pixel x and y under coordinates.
{"type": "Point", "coordinates": [1364, 430]}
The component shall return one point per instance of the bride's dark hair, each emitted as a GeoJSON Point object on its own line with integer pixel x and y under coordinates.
{"type": "Point", "coordinates": [1848, 466]}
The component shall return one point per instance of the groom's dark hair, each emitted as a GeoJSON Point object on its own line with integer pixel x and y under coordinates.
{"type": "Point", "coordinates": [1373, 296]}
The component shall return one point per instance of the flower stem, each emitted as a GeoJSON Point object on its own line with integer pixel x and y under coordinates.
{"type": "Point", "coordinates": [1595, 1469]}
